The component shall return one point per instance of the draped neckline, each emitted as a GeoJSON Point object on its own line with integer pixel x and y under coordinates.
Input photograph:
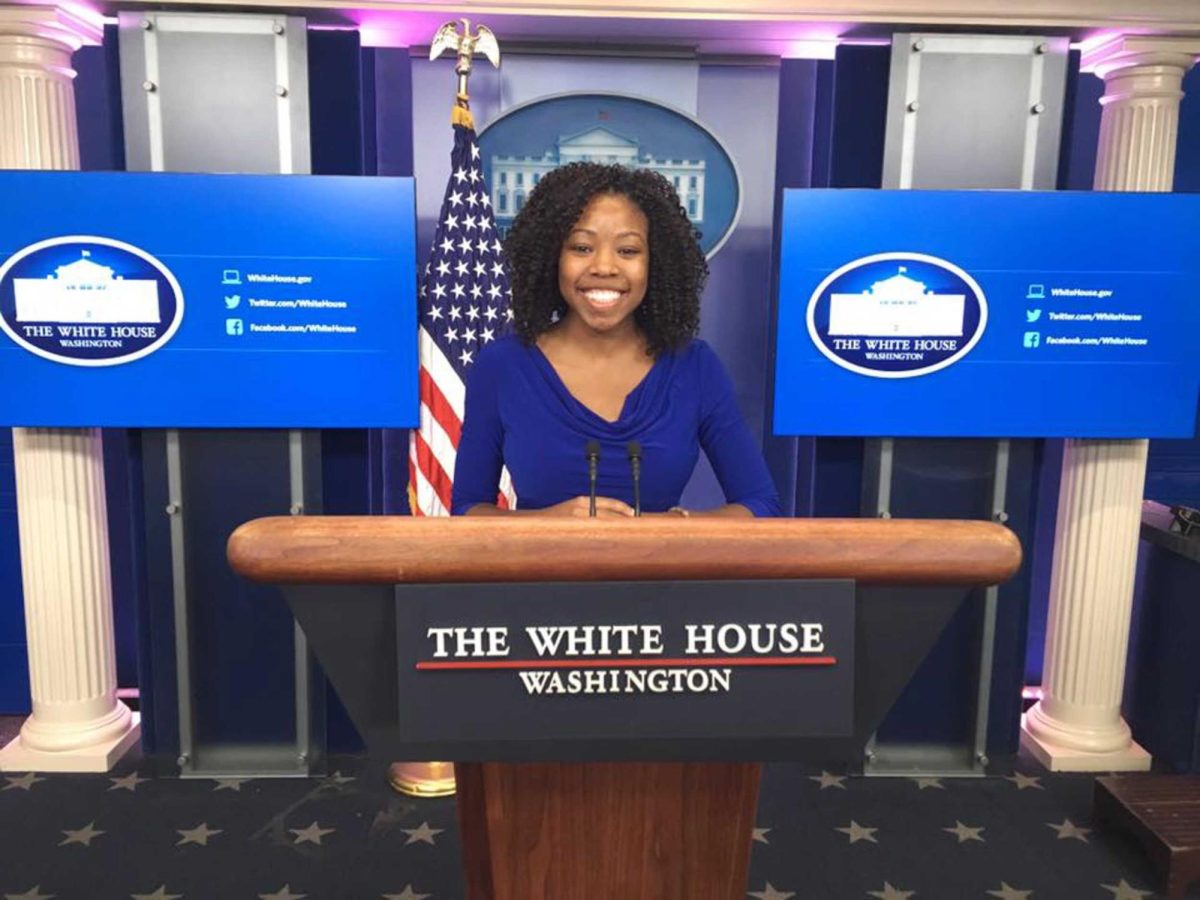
{"type": "Point", "coordinates": [641, 406]}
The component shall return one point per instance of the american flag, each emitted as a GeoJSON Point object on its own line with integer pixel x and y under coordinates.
{"type": "Point", "coordinates": [463, 304]}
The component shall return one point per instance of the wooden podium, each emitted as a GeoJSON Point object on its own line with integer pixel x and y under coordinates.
{"type": "Point", "coordinates": [613, 818]}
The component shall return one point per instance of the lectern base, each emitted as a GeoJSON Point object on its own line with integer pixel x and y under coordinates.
{"type": "Point", "coordinates": [595, 831]}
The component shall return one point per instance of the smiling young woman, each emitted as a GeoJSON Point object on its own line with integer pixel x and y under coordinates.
{"type": "Point", "coordinates": [606, 275]}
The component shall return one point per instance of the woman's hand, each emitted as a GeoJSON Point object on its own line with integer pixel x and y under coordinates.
{"type": "Point", "coordinates": [578, 507]}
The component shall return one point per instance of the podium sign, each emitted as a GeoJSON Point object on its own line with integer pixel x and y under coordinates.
{"type": "Point", "coordinates": [663, 662]}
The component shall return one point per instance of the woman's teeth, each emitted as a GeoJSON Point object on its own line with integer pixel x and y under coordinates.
{"type": "Point", "coordinates": [602, 298]}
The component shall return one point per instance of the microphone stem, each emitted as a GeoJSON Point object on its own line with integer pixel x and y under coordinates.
{"type": "Point", "coordinates": [637, 485]}
{"type": "Point", "coordinates": [592, 485]}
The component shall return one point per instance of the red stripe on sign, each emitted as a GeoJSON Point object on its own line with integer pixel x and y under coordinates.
{"type": "Point", "coordinates": [434, 473]}
{"type": "Point", "coordinates": [439, 407]}
{"type": "Point", "coordinates": [699, 662]}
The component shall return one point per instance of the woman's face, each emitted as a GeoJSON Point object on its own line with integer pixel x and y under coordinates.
{"type": "Point", "coordinates": [604, 262]}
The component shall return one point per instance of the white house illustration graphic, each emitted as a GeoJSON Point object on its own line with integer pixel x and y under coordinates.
{"type": "Point", "coordinates": [513, 177]}
{"type": "Point", "coordinates": [898, 306]}
{"type": "Point", "coordinates": [85, 292]}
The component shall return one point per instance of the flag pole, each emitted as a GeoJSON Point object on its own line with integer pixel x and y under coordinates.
{"type": "Point", "coordinates": [436, 779]}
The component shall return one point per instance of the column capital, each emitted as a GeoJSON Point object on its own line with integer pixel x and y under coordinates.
{"type": "Point", "coordinates": [1126, 51]}
{"type": "Point", "coordinates": [71, 28]}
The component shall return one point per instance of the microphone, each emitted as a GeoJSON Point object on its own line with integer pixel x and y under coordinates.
{"type": "Point", "coordinates": [634, 449]}
{"type": "Point", "coordinates": [593, 459]}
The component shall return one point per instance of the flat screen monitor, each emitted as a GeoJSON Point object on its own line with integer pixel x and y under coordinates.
{"type": "Point", "coordinates": [213, 301]}
{"type": "Point", "coordinates": [988, 314]}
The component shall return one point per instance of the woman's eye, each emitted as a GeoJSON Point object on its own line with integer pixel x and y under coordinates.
{"type": "Point", "coordinates": [629, 251]}
{"type": "Point", "coordinates": [580, 248]}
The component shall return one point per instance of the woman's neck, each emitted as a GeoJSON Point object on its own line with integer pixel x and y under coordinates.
{"type": "Point", "coordinates": [573, 335]}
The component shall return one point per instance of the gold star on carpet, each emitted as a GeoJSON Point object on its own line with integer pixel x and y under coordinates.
{"type": "Point", "coordinates": [22, 783]}
{"type": "Point", "coordinates": [407, 894]}
{"type": "Point", "coordinates": [1069, 829]}
{"type": "Point", "coordinates": [826, 780]}
{"type": "Point", "coordinates": [128, 783]}
{"type": "Point", "coordinates": [34, 893]}
{"type": "Point", "coordinates": [859, 833]}
{"type": "Point", "coordinates": [424, 833]}
{"type": "Point", "coordinates": [83, 836]}
{"type": "Point", "coordinates": [198, 835]}
{"type": "Point", "coordinates": [1125, 891]}
{"type": "Point", "coordinates": [923, 783]}
{"type": "Point", "coordinates": [284, 893]}
{"type": "Point", "coordinates": [771, 893]}
{"type": "Point", "coordinates": [1023, 781]}
{"type": "Point", "coordinates": [891, 893]}
{"type": "Point", "coordinates": [160, 894]}
{"type": "Point", "coordinates": [760, 835]}
{"type": "Point", "coordinates": [1005, 892]}
{"type": "Point", "coordinates": [312, 834]}
{"type": "Point", "coordinates": [229, 784]}
{"type": "Point", "coordinates": [966, 832]}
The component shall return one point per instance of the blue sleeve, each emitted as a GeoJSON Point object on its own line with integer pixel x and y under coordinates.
{"type": "Point", "coordinates": [728, 444]}
{"type": "Point", "coordinates": [481, 446]}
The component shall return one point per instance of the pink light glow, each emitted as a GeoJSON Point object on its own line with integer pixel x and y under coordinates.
{"type": "Point", "coordinates": [810, 48]}
{"type": "Point", "coordinates": [1031, 692]}
{"type": "Point", "coordinates": [383, 29]}
{"type": "Point", "coordinates": [87, 14]}
{"type": "Point", "coordinates": [1094, 40]}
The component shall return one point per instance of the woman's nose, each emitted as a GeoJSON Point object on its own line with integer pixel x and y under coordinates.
{"type": "Point", "coordinates": [604, 262]}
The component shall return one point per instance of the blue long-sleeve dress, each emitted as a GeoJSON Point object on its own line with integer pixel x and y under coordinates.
{"type": "Point", "coordinates": [519, 413]}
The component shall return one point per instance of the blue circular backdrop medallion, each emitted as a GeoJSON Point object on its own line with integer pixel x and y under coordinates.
{"type": "Point", "coordinates": [528, 141]}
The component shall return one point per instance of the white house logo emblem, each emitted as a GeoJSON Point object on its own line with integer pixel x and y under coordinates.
{"type": "Point", "coordinates": [897, 315]}
{"type": "Point", "coordinates": [88, 301]}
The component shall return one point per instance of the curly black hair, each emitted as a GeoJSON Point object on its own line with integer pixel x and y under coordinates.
{"type": "Point", "coordinates": [669, 316]}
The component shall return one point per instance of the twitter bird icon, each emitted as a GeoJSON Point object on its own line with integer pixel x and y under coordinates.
{"type": "Point", "coordinates": [231, 302]}
{"type": "Point", "coordinates": [1032, 315]}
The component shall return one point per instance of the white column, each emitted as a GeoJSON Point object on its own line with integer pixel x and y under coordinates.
{"type": "Point", "coordinates": [77, 724]}
{"type": "Point", "coordinates": [1077, 725]}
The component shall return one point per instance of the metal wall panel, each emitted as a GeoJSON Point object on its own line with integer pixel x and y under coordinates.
{"type": "Point", "coordinates": [223, 93]}
{"type": "Point", "coordinates": [974, 111]}
{"type": "Point", "coordinates": [964, 111]}
{"type": "Point", "coordinates": [214, 93]}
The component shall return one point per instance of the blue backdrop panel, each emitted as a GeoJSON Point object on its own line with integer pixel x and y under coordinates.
{"type": "Point", "coordinates": [297, 300]}
{"type": "Point", "coordinates": [1042, 366]}
{"type": "Point", "coordinates": [14, 663]}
